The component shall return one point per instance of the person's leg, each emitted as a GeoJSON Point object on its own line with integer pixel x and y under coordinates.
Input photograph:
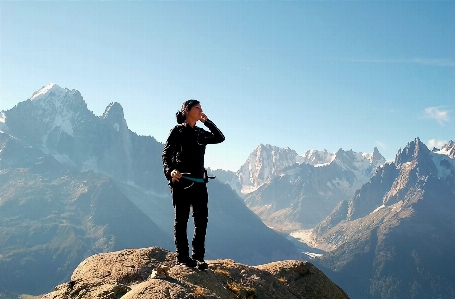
{"type": "Point", "coordinates": [181, 214]}
{"type": "Point", "coordinates": [200, 215]}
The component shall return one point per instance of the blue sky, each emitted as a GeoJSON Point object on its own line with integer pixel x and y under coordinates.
{"type": "Point", "coordinates": [304, 75]}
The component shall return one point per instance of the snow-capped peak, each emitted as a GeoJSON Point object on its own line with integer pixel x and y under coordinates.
{"type": "Point", "coordinates": [57, 107]}
{"type": "Point", "coordinates": [262, 164]}
{"type": "Point", "coordinates": [448, 149]}
{"type": "Point", "coordinates": [316, 158]}
{"type": "Point", "coordinates": [45, 90]}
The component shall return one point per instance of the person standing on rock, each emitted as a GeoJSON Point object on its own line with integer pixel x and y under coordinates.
{"type": "Point", "coordinates": [183, 162]}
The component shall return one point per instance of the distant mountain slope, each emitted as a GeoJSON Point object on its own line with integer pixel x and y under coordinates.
{"type": "Point", "coordinates": [236, 232]}
{"type": "Point", "coordinates": [52, 218]}
{"type": "Point", "coordinates": [396, 237]}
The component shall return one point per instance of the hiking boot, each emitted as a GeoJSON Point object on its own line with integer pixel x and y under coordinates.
{"type": "Point", "coordinates": [202, 265]}
{"type": "Point", "coordinates": [189, 262]}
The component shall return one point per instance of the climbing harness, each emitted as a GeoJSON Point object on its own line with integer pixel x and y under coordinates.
{"type": "Point", "coordinates": [197, 180]}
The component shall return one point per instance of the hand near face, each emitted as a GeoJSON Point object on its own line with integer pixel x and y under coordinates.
{"type": "Point", "coordinates": [203, 117]}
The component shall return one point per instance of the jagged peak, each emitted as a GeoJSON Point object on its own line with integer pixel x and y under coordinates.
{"type": "Point", "coordinates": [261, 146]}
{"type": "Point", "coordinates": [271, 149]}
{"type": "Point", "coordinates": [412, 151]}
{"type": "Point", "coordinates": [342, 154]}
{"type": "Point", "coordinates": [451, 143]}
{"type": "Point", "coordinates": [339, 151]}
{"type": "Point", "coordinates": [448, 149]}
{"type": "Point", "coordinates": [377, 155]}
{"type": "Point", "coordinates": [322, 158]}
{"type": "Point", "coordinates": [114, 111]}
{"type": "Point", "coordinates": [317, 157]}
{"type": "Point", "coordinates": [313, 151]}
{"type": "Point", "coordinates": [53, 96]}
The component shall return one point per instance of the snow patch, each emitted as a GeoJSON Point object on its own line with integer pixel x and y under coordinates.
{"type": "Point", "coordinates": [249, 189]}
{"type": "Point", "coordinates": [448, 150]}
{"type": "Point", "coordinates": [441, 152]}
{"type": "Point", "coordinates": [444, 164]}
{"type": "Point", "coordinates": [313, 255]}
{"type": "Point", "coordinates": [64, 123]}
{"type": "Point", "coordinates": [117, 127]}
{"type": "Point", "coordinates": [37, 95]}
{"type": "Point", "coordinates": [316, 158]}
{"type": "Point", "coordinates": [42, 91]}
{"type": "Point", "coordinates": [2, 117]}
{"type": "Point", "coordinates": [377, 209]}
{"type": "Point", "coordinates": [322, 164]}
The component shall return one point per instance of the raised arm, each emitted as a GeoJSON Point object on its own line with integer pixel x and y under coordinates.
{"type": "Point", "coordinates": [212, 137]}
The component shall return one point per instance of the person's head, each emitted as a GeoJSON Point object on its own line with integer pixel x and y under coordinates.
{"type": "Point", "coordinates": [188, 111]}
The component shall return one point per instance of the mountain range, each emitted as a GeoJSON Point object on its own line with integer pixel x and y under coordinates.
{"type": "Point", "coordinates": [378, 229]}
{"type": "Point", "coordinates": [73, 184]}
{"type": "Point", "coordinates": [291, 192]}
{"type": "Point", "coordinates": [395, 237]}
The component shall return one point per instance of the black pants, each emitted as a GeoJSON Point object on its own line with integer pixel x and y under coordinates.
{"type": "Point", "coordinates": [195, 197]}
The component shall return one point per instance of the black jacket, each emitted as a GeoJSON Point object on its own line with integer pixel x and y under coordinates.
{"type": "Point", "coordinates": [185, 148]}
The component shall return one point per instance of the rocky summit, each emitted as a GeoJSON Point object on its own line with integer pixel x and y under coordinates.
{"type": "Point", "coordinates": [131, 273]}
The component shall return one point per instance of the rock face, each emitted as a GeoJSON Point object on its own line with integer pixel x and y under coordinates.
{"type": "Point", "coordinates": [127, 274]}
